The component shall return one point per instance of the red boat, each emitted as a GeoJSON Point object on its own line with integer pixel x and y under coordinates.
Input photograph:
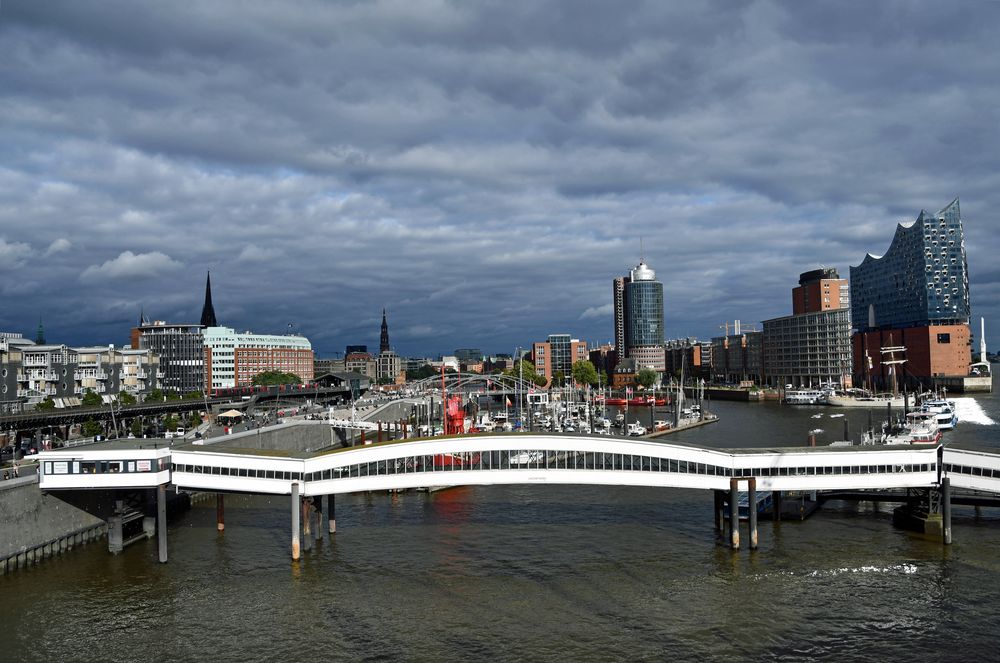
{"type": "Point", "coordinates": [615, 401]}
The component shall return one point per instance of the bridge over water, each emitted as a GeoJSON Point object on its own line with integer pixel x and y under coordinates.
{"type": "Point", "coordinates": [308, 477]}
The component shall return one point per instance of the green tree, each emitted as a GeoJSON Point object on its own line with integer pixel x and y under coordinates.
{"type": "Point", "coordinates": [276, 377]}
{"type": "Point", "coordinates": [126, 398]}
{"type": "Point", "coordinates": [136, 427]}
{"type": "Point", "coordinates": [46, 405]}
{"type": "Point", "coordinates": [154, 396]}
{"type": "Point", "coordinates": [422, 373]}
{"type": "Point", "coordinates": [91, 428]}
{"type": "Point", "coordinates": [194, 420]}
{"type": "Point", "coordinates": [526, 369]}
{"type": "Point", "coordinates": [558, 378]}
{"type": "Point", "coordinates": [172, 395]}
{"type": "Point", "coordinates": [170, 422]}
{"type": "Point", "coordinates": [647, 377]}
{"type": "Point", "coordinates": [584, 372]}
{"type": "Point", "coordinates": [192, 396]}
{"type": "Point", "coordinates": [91, 399]}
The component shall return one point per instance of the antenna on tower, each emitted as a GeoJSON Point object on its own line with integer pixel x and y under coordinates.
{"type": "Point", "coordinates": [642, 251]}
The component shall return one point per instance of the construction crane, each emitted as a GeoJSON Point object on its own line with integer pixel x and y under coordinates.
{"type": "Point", "coordinates": [738, 327]}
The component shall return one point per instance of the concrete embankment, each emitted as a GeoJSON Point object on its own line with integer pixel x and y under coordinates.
{"type": "Point", "coordinates": [293, 436]}
{"type": "Point", "coordinates": [34, 526]}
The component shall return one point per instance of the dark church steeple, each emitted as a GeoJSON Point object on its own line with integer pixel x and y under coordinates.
{"type": "Point", "coordinates": [208, 311]}
{"type": "Point", "coordinates": [40, 334]}
{"type": "Point", "coordinates": [383, 345]}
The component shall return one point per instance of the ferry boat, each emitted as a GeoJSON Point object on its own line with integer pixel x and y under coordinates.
{"type": "Point", "coordinates": [864, 400]}
{"type": "Point", "coordinates": [616, 401]}
{"type": "Point", "coordinates": [803, 397]}
{"type": "Point", "coordinates": [943, 412]}
{"type": "Point", "coordinates": [919, 428]}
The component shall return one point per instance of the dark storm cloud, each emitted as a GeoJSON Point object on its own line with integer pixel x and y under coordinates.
{"type": "Point", "coordinates": [483, 170]}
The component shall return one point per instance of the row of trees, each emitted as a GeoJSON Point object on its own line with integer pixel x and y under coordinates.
{"type": "Point", "coordinates": [171, 422]}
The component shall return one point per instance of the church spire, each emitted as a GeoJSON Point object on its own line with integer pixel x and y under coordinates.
{"type": "Point", "coordinates": [40, 334]}
{"type": "Point", "coordinates": [208, 311]}
{"type": "Point", "coordinates": [383, 345]}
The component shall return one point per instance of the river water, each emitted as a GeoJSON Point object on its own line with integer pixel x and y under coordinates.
{"type": "Point", "coordinates": [565, 573]}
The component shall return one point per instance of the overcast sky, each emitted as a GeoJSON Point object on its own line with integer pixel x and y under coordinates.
{"type": "Point", "coordinates": [481, 169]}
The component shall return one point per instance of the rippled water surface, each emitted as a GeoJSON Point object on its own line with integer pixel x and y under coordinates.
{"type": "Point", "coordinates": [530, 573]}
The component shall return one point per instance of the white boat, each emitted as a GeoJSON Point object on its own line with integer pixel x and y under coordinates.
{"type": "Point", "coordinates": [868, 401]}
{"type": "Point", "coordinates": [803, 396]}
{"type": "Point", "coordinates": [919, 428]}
{"type": "Point", "coordinates": [636, 430]}
{"type": "Point", "coordinates": [943, 412]}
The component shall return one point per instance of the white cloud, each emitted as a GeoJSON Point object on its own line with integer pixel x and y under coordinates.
{"type": "Point", "coordinates": [58, 246]}
{"type": "Point", "coordinates": [598, 311]}
{"type": "Point", "coordinates": [254, 253]}
{"type": "Point", "coordinates": [130, 265]}
{"type": "Point", "coordinates": [13, 254]}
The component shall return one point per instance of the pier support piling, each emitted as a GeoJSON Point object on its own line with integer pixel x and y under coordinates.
{"type": "Point", "coordinates": [719, 508]}
{"type": "Point", "coordinates": [332, 514]}
{"type": "Point", "coordinates": [220, 512]}
{"type": "Point", "coordinates": [734, 514]}
{"type": "Point", "coordinates": [161, 522]}
{"type": "Point", "coordinates": [324, 510]}
{"type": "Point", "coordinates": [307, 538]}
{"type": "Point", "coordinates": [946, 510]}
{"type": "Point", "coordinates": [752, 503]}
{"type": "Point", "coordinates": [776, 505]}
{"type": "Point", "coordinates": [296, 506]}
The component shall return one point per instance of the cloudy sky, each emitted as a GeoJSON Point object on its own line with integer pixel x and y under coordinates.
{"type": "Point", "coordinates": [481, 169]}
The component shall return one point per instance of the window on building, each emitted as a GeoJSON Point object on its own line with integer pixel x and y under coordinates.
{"type": "Point", "coordinates": [944, 338]}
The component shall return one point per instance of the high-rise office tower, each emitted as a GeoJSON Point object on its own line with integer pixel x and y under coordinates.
{"type": "Point", "coordinates": [638, 302]}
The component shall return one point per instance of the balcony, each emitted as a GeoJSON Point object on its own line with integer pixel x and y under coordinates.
{"type": "Point", "coordinates": [34, 362]}
{"type": "Point", "coordinates": [48, 376]}
{"type": "Point", "coordinates": [141, 374]}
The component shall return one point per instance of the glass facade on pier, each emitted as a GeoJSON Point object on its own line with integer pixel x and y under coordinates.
{"type": "Point", "coordinates": [921, 280]}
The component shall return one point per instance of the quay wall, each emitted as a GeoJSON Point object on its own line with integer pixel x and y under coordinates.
{"type": "Point", "coordinates": [34, 526]}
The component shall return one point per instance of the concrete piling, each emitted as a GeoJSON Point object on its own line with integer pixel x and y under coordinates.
{"type": "Point", "coordinates": [295, 520]}
{"type": "Point", "coordinates": [734, 514]}
{"type": "Point", "coordinates": [752, 488]}
{"type": "Point", "coordinates": [307, 524]}
{"type": "Point", "coordinates": [324, 510]}
{"type": "Point", "coordinates": [946, 510]}
{"type": "Point", "coordinates": [115, 541]}
{"type": "Point", "coordinates": [719, 508]}
{"type": "Point", "coordinates": [220, 512]}
{"type": "Point", "coordinates": [161, 522]}
{"type": "Point", "coordinates": [333, 514]}
{"type": "Point", "coordinates": [776, 505]}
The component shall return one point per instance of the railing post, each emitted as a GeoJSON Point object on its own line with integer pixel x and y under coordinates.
{"type": "Point", "coordinates": [295, 520]}
{"type": "Point", "coordinates": [734, 514]}
{"type": "Point", "coordinates": [752, 489]}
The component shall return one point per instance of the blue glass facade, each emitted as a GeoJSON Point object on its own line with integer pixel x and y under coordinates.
{"type": "Point", "coordinates": [644, 303]}
{"type": "Point", "coordinates": [921, 280]}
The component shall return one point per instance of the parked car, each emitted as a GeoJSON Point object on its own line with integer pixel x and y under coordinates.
{"type": "Point", "coordinates": [10, 453]}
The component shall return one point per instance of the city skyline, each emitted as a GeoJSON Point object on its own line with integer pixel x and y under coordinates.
{"type": "Point", "coordinates": [328, 162]}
